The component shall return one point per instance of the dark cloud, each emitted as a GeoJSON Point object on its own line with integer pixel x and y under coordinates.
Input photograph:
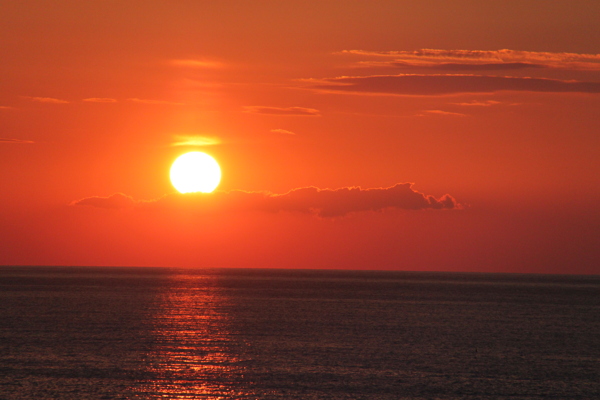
{"type": "Point", "coordinates": [480, 60]}
{"type": "Point", "coordinates": [286, 111]}
{"type": "Point", "coordinates": [431, 85]}
{"type": "Point", "coordinates": [117, 200]}
{"type": "Point", "coordinates": [467, 66]}
{"type": "Point", "coordinates": [505, 55]}
{"type": "Point", "coordinates": [309, 200]}
{"type": "Point", "coordinates": [338, 202]}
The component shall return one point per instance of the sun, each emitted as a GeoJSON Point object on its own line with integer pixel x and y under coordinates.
{"type": "Point", "coordinates": [195, 172]}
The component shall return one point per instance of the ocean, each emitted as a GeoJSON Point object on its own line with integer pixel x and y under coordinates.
{"type": "Point", "coordinates": [165, 333]}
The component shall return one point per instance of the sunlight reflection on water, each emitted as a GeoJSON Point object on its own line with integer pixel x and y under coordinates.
{"type": "Point", "coordinates": [104, 333]}
{"type": "Point", "coordinates": [194, 352]}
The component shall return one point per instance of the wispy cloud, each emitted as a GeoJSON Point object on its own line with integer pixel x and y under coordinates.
{"type": "Point", "coordinates": [432, 85]}
{"type": "Point", "coordinates": [6, 108]}
{"type": "Point", "coordinates": [282, 131]}
{"type": "Point", "coordinates": [455, 66]}
{"type": "Point", "coordinates": [116, 201]}
{"type": "Point", "coordinates": [195, 63]}
{"type": "Point", "coordinates": [308, 200]}
{"type": "Point", "coordinates": [478, 103]}
{"type": "Point", "coordinates": [440, 112]}
{"type": "Point", "coordinates": [284, 111]}
{"type": "Point", "coordinates": [100, 100]}
{"type": "Point", "coordinates": [483, 60]}
{"type": "Point", "coordinates": [195, 140]}
{"type": "Point", "coordinates": [21, 141]}
{"type": "Point", "coordinates": [50, 100]}
{"type": "Point", "coordinates": [505, 55]}
{"type": "Point", "coordinates": [149, 101]}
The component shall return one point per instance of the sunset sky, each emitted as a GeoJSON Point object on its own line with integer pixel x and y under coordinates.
{"type": "Point", "coordinates": [405, 135]}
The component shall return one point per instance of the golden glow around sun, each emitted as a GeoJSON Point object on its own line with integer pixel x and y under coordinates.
{"type": "Point", "coordinates": [195, 172]}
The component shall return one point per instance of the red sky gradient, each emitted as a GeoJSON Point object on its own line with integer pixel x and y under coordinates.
{"type": "Point", "coordinates": [321, 114]}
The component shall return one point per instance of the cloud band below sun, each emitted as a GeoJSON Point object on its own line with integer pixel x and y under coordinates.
{"type": "Point", "coordinates": [308, 200]}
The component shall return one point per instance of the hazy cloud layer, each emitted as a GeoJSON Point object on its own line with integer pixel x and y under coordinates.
{"type": "Point", "coordinates": [428, 85]}
{"type": "Point", "coordinates": [286, 111]}
{"type": "Point", "coordinates": [309, 200]}
{"type": "Point", "coordinates": [483, 60]}
{"type": "Point", "coordinates": [8, 140]}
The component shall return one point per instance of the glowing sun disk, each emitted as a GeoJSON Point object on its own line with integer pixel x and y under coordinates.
{"type": "Point", "coordinates": [195, 172]}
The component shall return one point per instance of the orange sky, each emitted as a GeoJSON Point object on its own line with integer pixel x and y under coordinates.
{"type": "Point", "coordinates": [495, 104]}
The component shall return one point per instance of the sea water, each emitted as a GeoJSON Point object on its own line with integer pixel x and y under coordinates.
{"type": "Point", "coordinates": [159, 333]}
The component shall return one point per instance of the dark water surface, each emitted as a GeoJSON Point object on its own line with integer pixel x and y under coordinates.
{"type": "Point", "coordinates": [152, 333]}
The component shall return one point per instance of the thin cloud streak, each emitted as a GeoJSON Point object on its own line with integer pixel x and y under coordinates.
{"type": "Point", "coordinates": [432, 85]}
{"type": "Point", "coordinates": [454, 60]}
{"type": "Point", "coordinates": [50, 100]}
{"type": "Point", "coordinates": [499, 55]}
{"type": "Point", "coordinates": [282, 131]}
{"type": "Point", "coordinates": [191, 63]}
{"type": "Point", "coordinates": [283, 111]}
{"type": "Point", "coordinates": [478, 103]}
{"type": "Point", "coordinates": [195, 140]}
{"type": "Point", "coordinates": [100, 100]}
{"type": "Point", "coordinates": [21, 141]}
{"type": "Point", "coordinates": [440, 112]}
{"type": "Point", "coordinates": [115, 201]}
{"type": "Point", "coordinates": [454, 66]}
{"type": "Point", "coordinates": [149, 101]}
